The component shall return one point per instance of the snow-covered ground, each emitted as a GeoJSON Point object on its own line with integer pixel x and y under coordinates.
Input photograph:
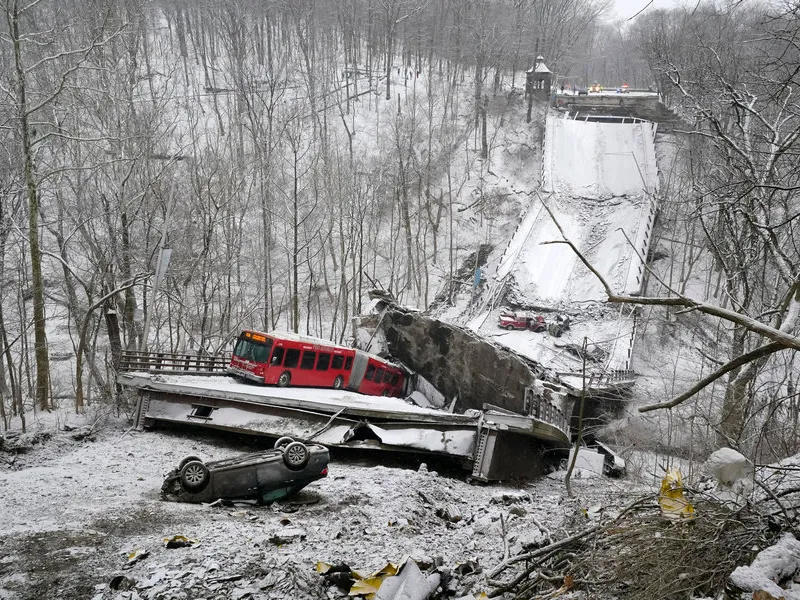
{"type": "Point", "coordinates": [72, 512]}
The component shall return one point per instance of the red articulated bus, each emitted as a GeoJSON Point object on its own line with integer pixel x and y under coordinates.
{"type": "Point", "coordinates": [285, 359]}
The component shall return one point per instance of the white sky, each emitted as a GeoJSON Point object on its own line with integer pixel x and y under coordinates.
{"type": "Point", "coordinates": [627, 8]}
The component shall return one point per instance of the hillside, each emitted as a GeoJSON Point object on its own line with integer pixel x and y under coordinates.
{"type": "Point", "coordinates": [291, 157]}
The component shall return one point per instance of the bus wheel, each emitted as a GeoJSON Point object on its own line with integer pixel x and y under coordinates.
{"type": "Point", "coordinates": [338, 382]}
{"type": "Point", "coordinates": [285, 379]}
{"type": "Point", "coordinates": [385, 393]}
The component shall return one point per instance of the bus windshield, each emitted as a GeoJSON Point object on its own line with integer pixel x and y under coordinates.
{"type": "Point", "coordinates": [254, 351]}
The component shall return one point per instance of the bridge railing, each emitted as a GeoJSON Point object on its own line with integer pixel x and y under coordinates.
{"type": "Point", "coordinates": [176, 363]}
{"type": "Point", "coordinates": [542, 407]}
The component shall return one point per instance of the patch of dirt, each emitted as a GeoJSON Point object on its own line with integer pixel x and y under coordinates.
{"type": "Point", "coordinates": [144, 520]}
{"type": "Point", "coordinates": [50, 564]}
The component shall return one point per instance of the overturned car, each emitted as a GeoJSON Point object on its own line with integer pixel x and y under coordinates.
{"type": "Point", "coordinates": [263, 476]}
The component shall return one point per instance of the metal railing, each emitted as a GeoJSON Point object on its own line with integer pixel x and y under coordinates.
{"type": "Point", "coordinates": [169, 362]}
{"type": "Point", "coordinates": [544, 409]}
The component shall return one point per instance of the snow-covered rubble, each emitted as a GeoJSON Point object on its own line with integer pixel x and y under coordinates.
{"type": "Point", "coordinates": [82, 518]}
{"type": "Point", "coordinates": [733, 474]}
{"type": "Point", "coordinates": [779, 563]}
{"type": "Point", "coordinates": [73, 513]}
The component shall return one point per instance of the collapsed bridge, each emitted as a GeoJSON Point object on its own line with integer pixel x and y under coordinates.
{"type": "Point", "coordinates": [492, 442]}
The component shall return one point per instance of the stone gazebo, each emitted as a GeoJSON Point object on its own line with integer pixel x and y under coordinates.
{"type": "Point", "coordinates": [539, 80]}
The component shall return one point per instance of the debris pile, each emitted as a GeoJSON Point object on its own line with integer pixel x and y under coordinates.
{"type": "Point", "coordinates": [677, 543]}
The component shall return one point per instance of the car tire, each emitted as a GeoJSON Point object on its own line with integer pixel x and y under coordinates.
{"type": "Point", "coordinates": [194, 476]}
{"type": "Point", "coordinates": [188, 459]}
{"type": "Point", "coordinates": [285, 379]}
{"type": "Point", "coordinates": [510, 327]}
{"type": "Point", "coordinates": [338, 382]}
{"type": "Point", "coordinates": [296, 456]}
{"type": "Point", "coordinates": [283, 441]}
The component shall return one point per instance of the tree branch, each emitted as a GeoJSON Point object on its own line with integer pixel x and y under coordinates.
{"type": "Point", "coordinates": [737, 362]}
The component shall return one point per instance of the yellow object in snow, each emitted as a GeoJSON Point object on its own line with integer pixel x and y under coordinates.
{"type": "Point", "coordinates": [365, 585]}
{"type": "Point", "coordinates": [672, 498]}
{"type": "Point", "coordinates": [180, 541]}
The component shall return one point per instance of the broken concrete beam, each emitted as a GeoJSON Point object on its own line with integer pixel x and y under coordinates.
{"type": "Point", "coordinates": [459, 363]}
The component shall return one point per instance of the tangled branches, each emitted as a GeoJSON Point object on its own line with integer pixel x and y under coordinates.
{"type": "Point", "coordinates": [640, 554]}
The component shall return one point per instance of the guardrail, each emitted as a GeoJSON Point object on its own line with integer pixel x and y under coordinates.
{"type": "Point", "coordinates": [170, 362]}
{"type": "Point", "coordinates": [542, 407]}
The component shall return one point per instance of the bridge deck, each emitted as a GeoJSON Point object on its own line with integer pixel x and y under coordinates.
{"type": "Point", "coordinates": [333, 417]}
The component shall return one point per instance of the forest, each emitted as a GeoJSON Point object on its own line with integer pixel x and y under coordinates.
{"type": "Point", "coordinates": [288, 156]}
{"type": "Point", "coordinates": [175, 171]}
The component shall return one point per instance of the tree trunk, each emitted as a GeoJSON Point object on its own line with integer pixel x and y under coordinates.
{"type": "Point", "coordinates": [114, 339]}
{"type": "Point", "coordinates": [4, 388]}
{"type": "Point", "coordinates": [484, 141]}
{"type": "Point", "coordinates": [37, 284]}
{"type": "Point", "coordinates": [295, 250]}
{"type": "Point", "coordinates": [128, 318]}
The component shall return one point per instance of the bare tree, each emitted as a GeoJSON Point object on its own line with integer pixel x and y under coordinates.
{"type": "Point", "coordinates": [737, 83]}
{"type": "Point", "coordinates": [46, 56]}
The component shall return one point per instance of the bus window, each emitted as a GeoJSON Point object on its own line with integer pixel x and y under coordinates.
{"type": "Point", "coordinates": [245, 349]}
{"type": "Point", "coordinates": [241, 348]}
{"type": "Point", "coordinates": [379, 375]}
{"type": "Point", "coordinates": [395, 379]}
{"type": "Point", "coordinates": [261, 352]}
{"type": "Point", "coordinates": [370, 372]}
{"type": "Point", "coordinates": [277, 356]}
{"type": "Point", "coordinates": [324, 361]}
{"type": "Point", "coordinates": [292, 358]}
{"type": "Point", "coordinates": [309, 358]}
{"type": "Point", "coordinates": [348, 364]}
{"type": "Point", "coordinates": [387, 377]}
{"type": "Point", "coordinates": [337, 362]}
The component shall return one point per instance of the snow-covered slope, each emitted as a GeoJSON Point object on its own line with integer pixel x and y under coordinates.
{"type": "Point", "coordinates": [597, 160]}
{"type": "Point", "coordinates": [597, 185]}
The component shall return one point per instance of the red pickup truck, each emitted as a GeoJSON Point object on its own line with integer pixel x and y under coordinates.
{"type": "Point", "coordinates": [511, 321]}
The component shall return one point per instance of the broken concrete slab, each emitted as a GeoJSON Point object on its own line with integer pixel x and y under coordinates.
{"type": "Point", "coordinates": [589, 461]}
{"type": "Point", "coordinates": [458, 362]}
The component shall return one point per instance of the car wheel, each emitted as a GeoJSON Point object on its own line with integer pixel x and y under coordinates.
{"type": "Point", "coordinates": [194, 476]}
{"type": "Point", "coordinates": [283, 441]}
{"type": "Point", "coordinates": [296, 455]}
{"type": "Point", "coordinates": [188, 459]}
{"type": "Point", "coordinates": [510, 327]}
{"type": "Point", "coordinates": [338, 382]}
{"type": "Point", "coordinates": [285, 379]}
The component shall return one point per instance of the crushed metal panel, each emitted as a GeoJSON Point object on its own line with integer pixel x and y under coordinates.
{"type": "Point", "coordinates": [504, 454]}
{"type": "Point", "coordinates": [530, 426]}
{"type": "Point", "coordinates": [245, 419]}
{"type": "Point", "coordinates": [431, 394]}
{"type": "Point", "coordinates": [588, 460]}
{"type": "Point", "coordinates": [449, 441]}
